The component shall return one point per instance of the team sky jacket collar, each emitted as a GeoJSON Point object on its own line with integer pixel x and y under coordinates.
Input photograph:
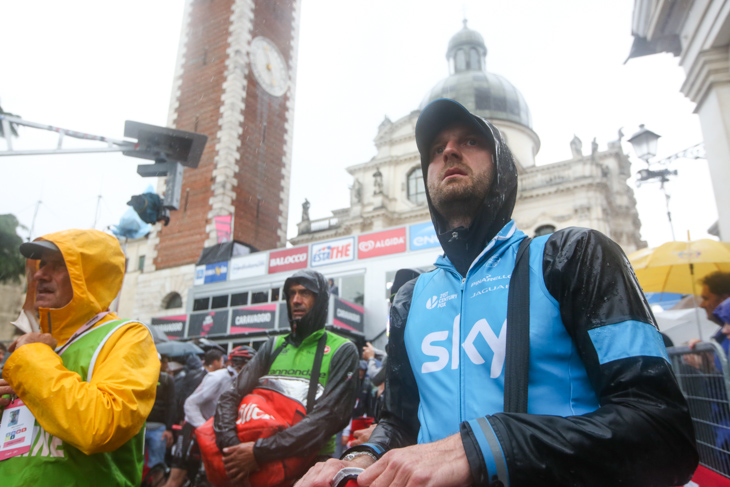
{"type": "Point", "coordinates": [503, 236]}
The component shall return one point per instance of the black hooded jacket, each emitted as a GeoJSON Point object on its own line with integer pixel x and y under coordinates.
{"type": "Point", "coordinates": [642, 433]}
{"type": "Point", "coordinates": [333, 408]}
{"type": "Point", "coordinates": [315, 319]}
{"type": "Point", "coordinates": [463, 245]}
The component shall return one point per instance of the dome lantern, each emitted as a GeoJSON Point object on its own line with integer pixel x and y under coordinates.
{"type": "Point", "coordinates": [488, 95]}
{"type": "Point", "coordinates": [466, 51]}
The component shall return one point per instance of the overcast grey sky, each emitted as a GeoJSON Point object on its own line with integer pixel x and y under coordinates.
{"type": "Point", "coordinates": [89, 66]}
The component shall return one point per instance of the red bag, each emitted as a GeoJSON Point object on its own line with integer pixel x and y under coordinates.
{"type": "Point", "coordinates": [261, 414]}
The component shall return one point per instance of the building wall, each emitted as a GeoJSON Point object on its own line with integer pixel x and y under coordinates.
{"type": "Point", "coordinates": [244, 169]}
{"type": "Point", "coordinates": [698, 32]}
{"type": "Point", "coordinates": [588, 191]}
{"type": "Point", "coordinates": [13, 296]}
{"type": "Point", "coordinates": [198, 110]}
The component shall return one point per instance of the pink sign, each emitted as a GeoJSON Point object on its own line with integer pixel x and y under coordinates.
{"type": "Point", "coordinates": [288, 259]}
{"type": "Point", "coordinates": [382, 243]}
{"type": "Point", "coordinates": [223, 228]}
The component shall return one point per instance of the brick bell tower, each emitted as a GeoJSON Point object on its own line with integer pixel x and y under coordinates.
{"type": "Point", "coordinates": [234, 82]}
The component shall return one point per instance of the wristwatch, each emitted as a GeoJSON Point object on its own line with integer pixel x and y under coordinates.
{"type": "Point", "coordinates": [343, 477]}
{"type": "Point", "coordinates": [351, 456]}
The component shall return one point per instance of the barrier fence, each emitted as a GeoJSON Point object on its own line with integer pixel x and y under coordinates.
{"type": "Point", "coordinates": [703, 374]}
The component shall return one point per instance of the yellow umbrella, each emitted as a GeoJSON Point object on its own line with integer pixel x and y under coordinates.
{"type": "Point", "coordinates": [676, 267]}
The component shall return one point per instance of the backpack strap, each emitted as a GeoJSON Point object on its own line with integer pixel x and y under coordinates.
{"type": "Point", "coordinates": [277, 351]}
{"type": "Point", "coordinates": [314, 378]}
{"type": "Point", "coordinates": [517, 358]}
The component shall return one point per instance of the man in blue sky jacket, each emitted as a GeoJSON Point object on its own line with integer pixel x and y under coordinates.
{"type": "Point", "coordinates": [604, 408]}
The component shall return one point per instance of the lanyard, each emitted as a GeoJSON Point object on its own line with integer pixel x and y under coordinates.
{"type": "Point", "coordinates": [82, 330]}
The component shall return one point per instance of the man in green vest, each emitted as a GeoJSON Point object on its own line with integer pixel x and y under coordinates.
{"type": "Point", "coordinates": [87, 377]}
{"type": "Point", "coordinates": [307, 298]}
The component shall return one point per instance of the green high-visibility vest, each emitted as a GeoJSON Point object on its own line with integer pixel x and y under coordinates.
{"type": "Point", "coordinates": [53, 462]}
{"type": "Point", "coordinates": [298, 361]}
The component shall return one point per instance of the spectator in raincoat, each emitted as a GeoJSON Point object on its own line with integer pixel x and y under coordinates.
{"type": "Point", "coordinates": [88, 378]}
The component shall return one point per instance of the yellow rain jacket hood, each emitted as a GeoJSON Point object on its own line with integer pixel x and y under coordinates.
{"type": "Point", "coordinates": [95, 264]}
{"type": "Point", "coordinates": [97, 413]}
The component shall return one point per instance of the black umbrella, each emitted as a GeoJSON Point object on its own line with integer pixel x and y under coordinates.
{"type": "Point", "coordinates": [158, 335]}
{"type": "Point", "coordinates": [178, 349]}
{"type": "Point", "coordinates": [206, 345]}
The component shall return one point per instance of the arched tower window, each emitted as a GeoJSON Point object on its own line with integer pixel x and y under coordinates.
{"type": "Point", "coordinates": [544, 230]}
{"type": "Point", "coordinates": [416, 188]}
{"type": "Point", "coordinates": [474, 63]}
{"type": "Point", "coordinates": [460, 60]}
{"type": "Point", "coordinates": [172, 300]}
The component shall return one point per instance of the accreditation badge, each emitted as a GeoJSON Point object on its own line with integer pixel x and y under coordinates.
{"type": "Point", "coordinates": [16, 430]}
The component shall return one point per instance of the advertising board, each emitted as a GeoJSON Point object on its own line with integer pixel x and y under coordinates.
{"type": "Point", "coordinates": [248, 266]}
{"type": "Point", "coordinates": [381, 243]}
{"type": "Point", "coordinates": [172, 326]}
{"type": "Point", "coordinates": [348, 316]}
{"type": "Point", "coordinates": [253, 318]}
{"type": "Point", "coordinates": [334, 251]}
{"type": "Point", "coordinates": [208, 323]}
{"type": "Point", "coordinates": [288, 259]}
{"type": "Point", "coordinates": [423, 236]}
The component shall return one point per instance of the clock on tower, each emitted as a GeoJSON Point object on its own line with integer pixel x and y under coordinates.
{"type": "Point", "coordinates": [234, 83]}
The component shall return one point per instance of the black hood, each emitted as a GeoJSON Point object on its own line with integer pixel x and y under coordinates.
{"type": "Point", "coordinates": [463, 245]}
{"type": "Point", "coordinates": [316, 317]}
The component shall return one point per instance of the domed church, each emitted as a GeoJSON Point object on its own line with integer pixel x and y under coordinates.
{"type": "Point", "coordinates": [588, 190]}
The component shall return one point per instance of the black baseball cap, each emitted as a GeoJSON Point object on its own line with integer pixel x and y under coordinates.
{"type": "Point", "coordinates": [440, 114]}
{"type": "Point", "coordinates": [35, 250]}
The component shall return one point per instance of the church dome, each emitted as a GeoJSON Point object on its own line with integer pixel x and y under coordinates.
{"type": "Point", "coordinates": [466, 37]}
{"type": "Point", "coordinates": [486, 94]}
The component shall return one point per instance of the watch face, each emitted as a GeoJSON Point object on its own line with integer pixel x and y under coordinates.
{"type": "Point", "coordinates": [269, 66]}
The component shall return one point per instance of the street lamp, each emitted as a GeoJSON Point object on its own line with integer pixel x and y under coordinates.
{"type": "Point", "coordinates": [645, 145]}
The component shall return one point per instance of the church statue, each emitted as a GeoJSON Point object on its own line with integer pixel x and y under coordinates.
{"type": "Point", "coordinates": [305, 210]}
{"type": "Point", "coordinates": [594, 149]}
{"type": "Point", "coordinates": [377, 181]}
{"type": "Point", "coordinates": [356, 192]}
{"type": "Point", "coordinates": [576, 146]}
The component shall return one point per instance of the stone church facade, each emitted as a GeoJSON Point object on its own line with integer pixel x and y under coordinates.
{"type": "Point", "coordinates": [588, 190]}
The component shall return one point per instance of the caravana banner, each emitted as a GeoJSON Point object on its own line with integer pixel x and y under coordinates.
{"type": "Point", "coordinates": [253, 318]}
{"type": "Point", "coordinates": [172, 326]}
{"type": "Point", "coordinates": [348, 316]}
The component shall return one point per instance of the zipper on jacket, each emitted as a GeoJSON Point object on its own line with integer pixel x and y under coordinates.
{"type": "Point", "coordinates": [462, 389]}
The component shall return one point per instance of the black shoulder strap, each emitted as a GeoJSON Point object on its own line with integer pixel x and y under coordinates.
{"type": "Point", "coordinates": [517, 356]}
{"type": "Point", "coordinates": [314, 378]}
{"type": "Point", "coordinates": [277, 351]}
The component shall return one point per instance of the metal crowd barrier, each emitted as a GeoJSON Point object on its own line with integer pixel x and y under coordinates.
{"type": "Point", "coordinates": [703, 374]}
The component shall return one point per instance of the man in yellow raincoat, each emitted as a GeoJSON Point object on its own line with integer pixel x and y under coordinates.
{"type": "Point", "coordinates": [88, 378]}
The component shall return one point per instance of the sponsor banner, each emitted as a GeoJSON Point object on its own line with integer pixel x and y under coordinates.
{"type": "Point", "coordinates": [288, 259]}
{"type": "Point", "coordinates": [199, 279]}
{"type": "Point", "coordinates": [253, 318]}
{"type": "Point", "coordinates": [342, 250]}
{"type": "Point", "coordinates": [172, 326]}
{"type": "Point", "coordinates": [283, 317]}
{"type": "Point", "coordinates": [248, 266]}
{"type": "Point", "coordinates": [381, 243]}
{"type": "Point", "coordinates": [208, 323]}
{"type": "Point", "coordinates": [216, 272]}
{"type": "Point", "coordinates": [348, 316]}
{"type": "Point", "coordinates": [423, 236]}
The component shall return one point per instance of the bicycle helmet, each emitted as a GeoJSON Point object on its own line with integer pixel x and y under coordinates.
{"type": "Point", "coordinates": [243, 353]}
